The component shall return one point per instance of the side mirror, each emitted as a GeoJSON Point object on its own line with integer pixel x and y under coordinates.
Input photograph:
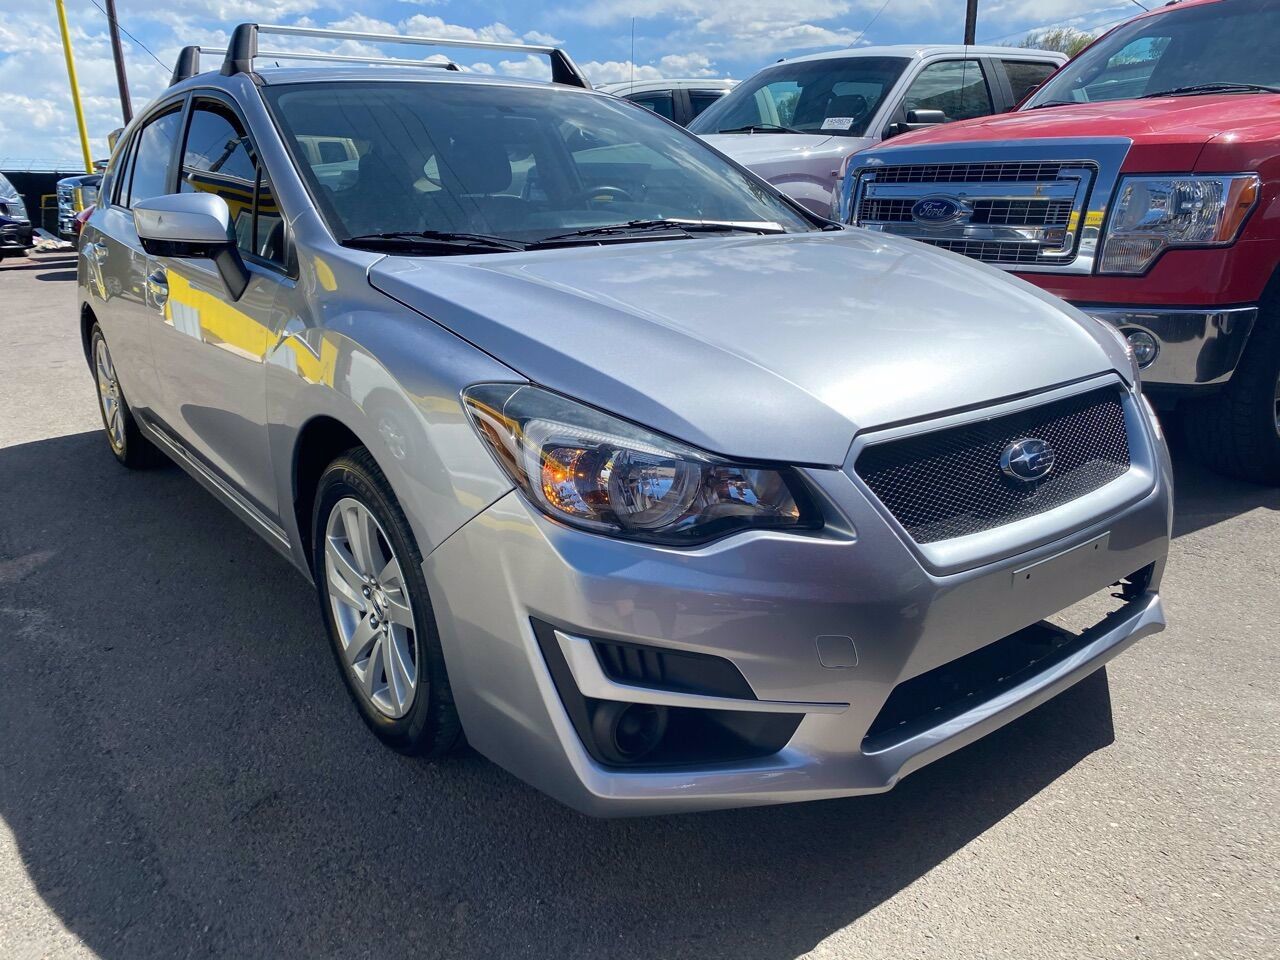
{"type": "Point", "coordinates": [916, 120]}
{"type": "Point", "coordinates": [192, 226]}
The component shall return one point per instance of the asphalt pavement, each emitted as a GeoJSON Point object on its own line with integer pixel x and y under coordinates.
{"type": "Point", "coordinates": [182, 775]}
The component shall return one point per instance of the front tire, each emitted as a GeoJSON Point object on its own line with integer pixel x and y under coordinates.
{"type": "Point", "coordinates": [1237, 432]}
{"type": "Point", "coordinates": [373, 597]}
{"type": "Point", "coordinates": [127, 443]}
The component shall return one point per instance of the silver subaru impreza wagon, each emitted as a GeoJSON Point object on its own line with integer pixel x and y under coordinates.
{"type": "Point", "coordinates": [667, 493]}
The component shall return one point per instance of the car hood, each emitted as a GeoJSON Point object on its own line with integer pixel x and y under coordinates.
{"type": "Point", "coordinates": [771, 348]}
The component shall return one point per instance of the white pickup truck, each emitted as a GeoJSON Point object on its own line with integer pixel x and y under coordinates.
{"type": "Point", "coordinates": [796, 121]}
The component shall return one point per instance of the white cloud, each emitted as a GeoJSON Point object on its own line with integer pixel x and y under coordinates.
{"type": "Point", "coordinates": [543, 39]}
{"type": "Point", "coordinates": [615, 71]}
{"type": "Point", "coordinates": [687, 65]}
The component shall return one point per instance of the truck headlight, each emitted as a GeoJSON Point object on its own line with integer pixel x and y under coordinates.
{"type": "Point", "coordinates": [603, 474]}
{"type": "Point", "coordinates": [17, 208]}
{"type": "Point", "coordinates": [1153, 214]}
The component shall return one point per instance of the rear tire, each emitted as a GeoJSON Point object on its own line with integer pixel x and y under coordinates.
{"type": "Point", "coordinates": [1237, 431]}
{"type": "Point", "coordinates": [374, 600]}
{"type": "Point", "coordinates": [126, 441]}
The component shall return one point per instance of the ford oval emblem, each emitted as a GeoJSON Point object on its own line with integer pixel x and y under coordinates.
{"type": "Point", "coordinates": [1027, 460]}
{"type": "Point", "coordinates": [936, 210]}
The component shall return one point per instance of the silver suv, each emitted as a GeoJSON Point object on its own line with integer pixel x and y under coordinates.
{"type": "Point", "coordinates": [521, 376]}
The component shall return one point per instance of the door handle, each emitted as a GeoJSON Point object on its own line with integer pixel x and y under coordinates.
{"type": "Point", "coordinates": [158, 289]}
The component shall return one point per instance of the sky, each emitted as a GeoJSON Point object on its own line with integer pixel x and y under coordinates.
{"type": "Point", "coordinates": [673, 38]}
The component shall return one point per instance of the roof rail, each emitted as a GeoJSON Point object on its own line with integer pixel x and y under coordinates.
{"type": "Point", "coordinates": [243, 48]}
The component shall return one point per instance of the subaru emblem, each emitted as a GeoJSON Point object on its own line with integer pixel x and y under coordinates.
{"type": "Point", "coordinates": [1027, 460]}
{"type": "Point", "coordinates": [936, 210]}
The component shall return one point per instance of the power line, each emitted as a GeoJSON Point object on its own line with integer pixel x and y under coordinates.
{"type": "Point", "coordinates": [869, 23]}
{"type": "Point", "coordinates": [132, 37]}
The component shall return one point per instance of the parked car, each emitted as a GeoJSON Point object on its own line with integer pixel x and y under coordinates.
{"type": "Point", "coordinates": [567, 465]}
{"type": "Point", "coordinates": [793, 123]}
{"type": "Point", "coordinates": [1142, 184]}
{"type": "Point", "coordinates": [82, 218]}
{"type": "Point", "coordinates": [74, 194]}
{"type": "Point", "coordinates": [15, 226]}
{"type": "Point", "coordinates": [676, 99]}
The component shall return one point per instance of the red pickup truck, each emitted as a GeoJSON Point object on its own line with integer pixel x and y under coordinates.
{"type": "Point", "coordinates": [1141, 183]}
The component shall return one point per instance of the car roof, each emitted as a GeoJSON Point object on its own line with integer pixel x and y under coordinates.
{"type": "Point", "coordinates": [914, 51]}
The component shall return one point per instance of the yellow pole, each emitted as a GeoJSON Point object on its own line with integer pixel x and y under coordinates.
{"type": "Point", "coordinates": [75, 87]}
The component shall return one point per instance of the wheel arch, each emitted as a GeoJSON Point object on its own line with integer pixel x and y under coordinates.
{"type": "Point", "coordinates": [87, 320]}
{"type": "Point", "coordinates": [320, 441]}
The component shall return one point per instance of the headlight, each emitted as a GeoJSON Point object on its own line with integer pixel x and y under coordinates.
{"type": "Point", "coordinates": [17, 208]}
{"type": "Point", "coordinates": [603, 474]}
{"type": "Point", "coordinates": [1152, 214]}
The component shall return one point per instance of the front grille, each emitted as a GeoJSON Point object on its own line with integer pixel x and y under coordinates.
{"type": "Point", "coordinates": [1005, 213]}
{"type": "Point", "coordinates": [992, 251]}
{"type": "Point", "coordinates": [948, 483]}
{"type": "Point", "coordinates": [996, 172]}
{"type": "Point", "coordinates": [1022, 213]}
{"type": "Point", "coordinates": [885, 211]}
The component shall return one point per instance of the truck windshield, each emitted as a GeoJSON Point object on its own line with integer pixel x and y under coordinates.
{"type": "Point", "coordinates": [828, 96]}
{"type": "Point", "coordinates": [1231, 44]}
{"type": "Point", "coordinates": [431, 167]}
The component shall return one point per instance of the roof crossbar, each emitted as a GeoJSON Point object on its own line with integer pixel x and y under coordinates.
{"type": "Point", "coordinates": [338, 58]}
{"type": "Point", "coordinates": [243, 48]}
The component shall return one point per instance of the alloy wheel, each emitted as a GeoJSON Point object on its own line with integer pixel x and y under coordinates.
{"type": "Point", "coordinates": [371, 608]}
{"type": "Point", "coordinates": [108, 394]}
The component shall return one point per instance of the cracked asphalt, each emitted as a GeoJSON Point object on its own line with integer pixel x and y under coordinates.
{"type": "Point", "coordinates": [181, 774]}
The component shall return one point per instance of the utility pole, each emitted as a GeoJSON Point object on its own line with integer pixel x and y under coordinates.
{"type": "Point", "coordinates": [970, 22]}
{"type": "Point", "coordinates": [117, 53]}
{"type": "Point", "coordinates": [75, 87]}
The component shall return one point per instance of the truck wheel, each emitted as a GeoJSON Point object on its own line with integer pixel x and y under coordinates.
{"type": "Point", "coordinates": [373, 597]}
{"type": "Point", "coordinates": [1237, 432]}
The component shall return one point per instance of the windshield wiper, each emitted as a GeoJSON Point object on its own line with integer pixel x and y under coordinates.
{"type": "Point", "coordinates": [446, 240]}
{"type": "Point", "coordinates": [762, 128]}
{"type": "Point", "coordinates": [671, 227]}
{"type": "Point", "coordinates": [1054, 103]}
{"type": "Point", "coordinates": [1223, 87]}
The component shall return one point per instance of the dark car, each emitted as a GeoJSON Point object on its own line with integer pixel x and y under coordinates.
{"type": "Point", "coordinates": [15, 227]}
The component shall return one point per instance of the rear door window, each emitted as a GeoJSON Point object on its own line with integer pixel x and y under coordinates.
{"type": "Point", "coordinates": [660, 103]}
{"type": "Point", "coordinates": [699, 100]}
{"type": "Point", "coordinates": [153, 161]}
{"type": "Point", "coordinates": [1025, 75]}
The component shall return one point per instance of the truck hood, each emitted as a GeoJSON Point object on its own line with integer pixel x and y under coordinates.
{"type": "Point", "coordinates": [780, 153]}
{"type": "Point", "coordinates": [1192, 120]}
{"type": "Point", "coordinates": [768, 348]}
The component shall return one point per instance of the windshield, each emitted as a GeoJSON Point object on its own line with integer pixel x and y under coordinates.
{"type": "Point", "coordinates": [518, 163]}
{"type": "Point", "coordinates": [6, 188]}
{"type": "Point", "coordinates": [1229, 42]}
{"type": "Point", "coordinates": [836, 96]}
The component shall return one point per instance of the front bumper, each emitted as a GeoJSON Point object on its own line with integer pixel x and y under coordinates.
{"type": "Point", "coordinates": [1197, 348]}
{"type": "Point", "coordinates": [762, 600]}
{"type": "Point", "coordinates": [15, 237]}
